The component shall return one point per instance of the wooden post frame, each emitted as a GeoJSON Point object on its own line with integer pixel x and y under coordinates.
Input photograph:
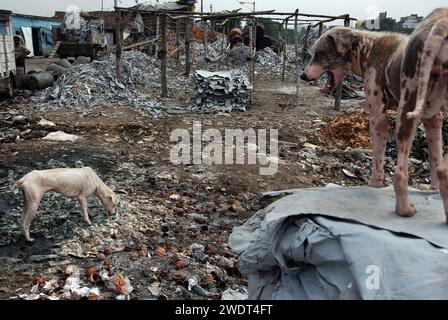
{"type": "Point", "coordinates": [205, 39]}
{"type": "Point", "coordinates": [119, 42]}
{"type": "Point", "coordinates": [296, 30]}
{"type": "Point", "coordinates": [188, 48]}
{"type": "Point", "coordinates": [285, 51]}
{"type": "Point", "coordinates": [163, 53]}
{"type": "Point", "coordinates": [157, 35]}
{"type": "Point", "coordinates": [177, 42]}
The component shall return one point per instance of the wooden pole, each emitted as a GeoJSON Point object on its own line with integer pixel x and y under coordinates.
{"type": "Point", "coordinates": [285, 51]}
{"type": "Point", "coordinates": [119, 43]}
{"type": "Point", "coordinates": [296, 45]}
{"type": "Point", "coordinates": [177, 42]}
{"type": "Point", "coordinates": [251, 52]}
{"type": "Point", "coordinates": [254, 51]}
{"type": "Point", "coordinates": [338, 99]}
{"type": "Point", "coordinates": [205, 39]}
{"type": "Point", "coordinates": [321, 28]}
{"type": "Point", "coordinates": [224, 40]}
{"type": "Point", "coordinates": [305, 43]}
{"type": "Point", "coordinates": [188, 48]}
{"type": "Point", "coordinates": [163, 53]}
{"type": "Point", "coordinates": [157, 35]}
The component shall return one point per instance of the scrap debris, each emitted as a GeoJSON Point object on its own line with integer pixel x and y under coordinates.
{"type": "Point", "coordinates": [349, 130]}
{"type": "Point", "coordinates": [224, 91]}
{"type": "Point", "coordinates": [96, 84]}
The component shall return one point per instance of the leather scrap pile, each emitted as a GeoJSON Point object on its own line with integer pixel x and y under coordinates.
{"type": "Point", "coordinates": [96, 84]}
{"type": "Point", "coordinates": [222, 91]}
{"type": "Point", "coordinates": [267, 56]}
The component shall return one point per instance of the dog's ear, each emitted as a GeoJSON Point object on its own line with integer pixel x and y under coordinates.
{"type": "Point", "coordinates": [343, 40]}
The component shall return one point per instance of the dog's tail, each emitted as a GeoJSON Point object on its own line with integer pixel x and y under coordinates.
{"type": "Point", "coordinates": [20, 182]}
{"type": "Point", "coordinates": [431, 50]}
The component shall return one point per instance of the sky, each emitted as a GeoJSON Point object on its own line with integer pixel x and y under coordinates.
{"type": "Point", "coordinates": [361, 9]}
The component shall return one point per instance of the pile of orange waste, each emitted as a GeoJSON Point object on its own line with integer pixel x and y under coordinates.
{"type": "Point", "coordinates": [198, 34]}
{"type": "Point", "coordinates": [348, 130]}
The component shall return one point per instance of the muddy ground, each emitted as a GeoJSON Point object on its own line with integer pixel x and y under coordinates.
{"type": "Point", "coordinates": [175, 220]}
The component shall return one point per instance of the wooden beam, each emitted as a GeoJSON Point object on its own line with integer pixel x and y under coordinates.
{"type": "Point", "coordinates": [321, 29]}
{"type": "Point", "coordinates": [285, 51]}
{"type": "Point", "coordinates": [251, 50]}
{"type": "Point", "coordinates": [296, 47]}
{"type": "Point", "coordinates": [138, 44]}
{"type": "Point", "coordinates": [163, 53]}
{"type": "Point", "coordinates": [157, 35]}
{"type": "Point", "coordinates": [177, 42]}
{"type": "Point", "coordinates": [119, 43]}
{"type": "Point", "coordinates": [305, 42]}
{"type": "Point", "coordinates": [205, 40]}
{"type": "Point", "coordinates": [188, 48]}
{"type": "Point", "coordinates": [175, 14]}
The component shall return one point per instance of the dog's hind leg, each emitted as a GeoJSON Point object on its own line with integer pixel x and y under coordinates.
{"type": "Point", "coordinates": [31, 204]}
{"type": "Point", "coordinates": [433, 129]}
{"type": "Point", "coordinates": [406, 128]}
{"type": "Point", "coordinates": [442, 173]}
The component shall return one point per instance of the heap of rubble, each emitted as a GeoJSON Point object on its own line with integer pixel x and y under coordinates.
{"type": "Point", "coordinates": [96, 84]}
{"type": "Point", "coordinates": [268, 57]}
{"type": "Point", "coordinates": [223, 91]}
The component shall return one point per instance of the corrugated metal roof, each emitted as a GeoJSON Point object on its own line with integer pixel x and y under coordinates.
{"type": "Point", "coordinates": [156, 6]}
{"type": "Point", "coordinates": [28, 16]}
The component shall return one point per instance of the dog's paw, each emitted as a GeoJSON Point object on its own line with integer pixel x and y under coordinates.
{"type": "Point", "coordinates": [435, 186]}
{"type": "Point", "coordinates": [407, 211]}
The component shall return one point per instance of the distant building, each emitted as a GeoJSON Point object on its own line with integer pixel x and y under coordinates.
{"type": "Point", "coordinates": [383, 23]}
{"type": "Point", "coordinates": [38, 32]}
{"type": "Point", "coordinates": [410, 22]}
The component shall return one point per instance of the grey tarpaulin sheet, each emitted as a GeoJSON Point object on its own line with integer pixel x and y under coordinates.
{"type": "Point", "coordinates": [345, 243]}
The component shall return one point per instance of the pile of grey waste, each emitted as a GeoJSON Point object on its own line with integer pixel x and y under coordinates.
{"type": "Point", "coordinates": [268, 57]}
{"type": "Point", "coordinates": [89, 85]}
{"type": "Point", "coordinates": [238, 55]}
{"type": "Point", "coordinates": [222, 91]}
{"type": "Point", "coordinates": [77, 29]}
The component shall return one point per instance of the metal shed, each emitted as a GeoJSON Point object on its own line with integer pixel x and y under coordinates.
{"type": "Point", "coordinates": [7, 56]}
{"type": "Point", "coordinates": [37, 31]}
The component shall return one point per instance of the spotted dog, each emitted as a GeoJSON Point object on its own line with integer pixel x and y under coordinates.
{"type": "Point", "coordinates": [407, 74]}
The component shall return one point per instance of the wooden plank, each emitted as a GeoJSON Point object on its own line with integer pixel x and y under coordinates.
{"type": "Point", "coordinates": [54, 50]}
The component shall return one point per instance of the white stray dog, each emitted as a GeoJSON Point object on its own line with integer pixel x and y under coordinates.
{"type": "Point", "coordinates": [72, 183]}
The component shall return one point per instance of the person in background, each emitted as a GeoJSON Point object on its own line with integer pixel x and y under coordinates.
{"type": "Point", "coordinates": [21, 52]}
